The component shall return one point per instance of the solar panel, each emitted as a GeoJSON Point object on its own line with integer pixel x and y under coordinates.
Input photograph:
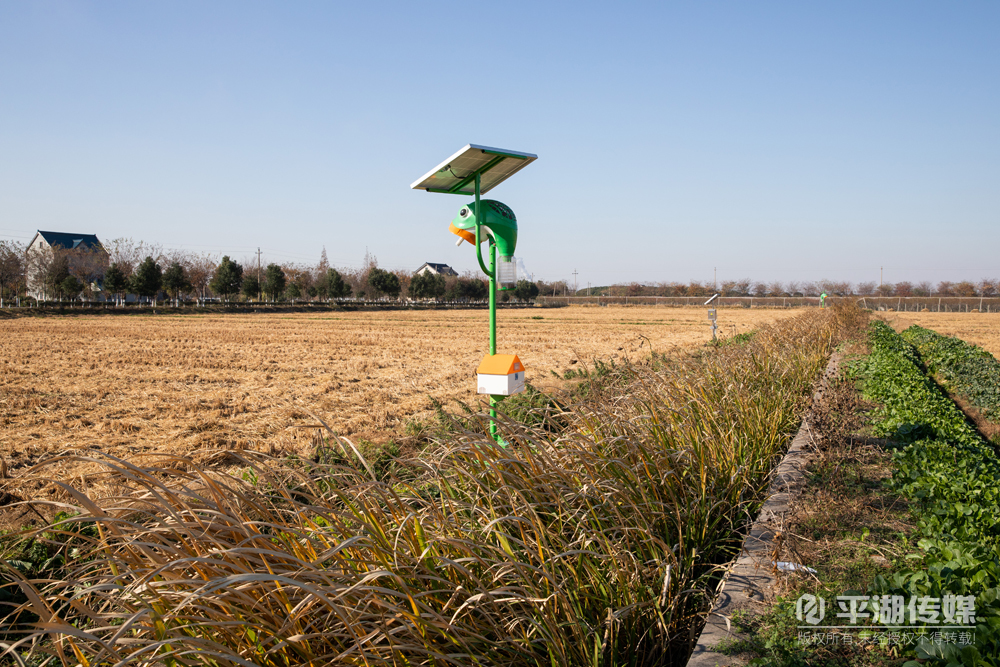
{"type": "Point", "coordinates": [457, 174]}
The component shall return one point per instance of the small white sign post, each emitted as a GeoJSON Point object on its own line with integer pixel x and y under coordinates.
{"type": "Point", "coordinates": [712, 316]}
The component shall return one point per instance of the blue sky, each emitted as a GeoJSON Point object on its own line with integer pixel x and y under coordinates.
{"type": "Point", "coordinates": [780, 141]}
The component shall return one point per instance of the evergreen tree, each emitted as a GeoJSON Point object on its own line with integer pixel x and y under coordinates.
{"type": "Point", "coordinates": [227, 279]}
{"type": "Point", "coordinates": [427, 285]}
{"type": "Point", "coordinates": [468, 289]}
{"type": "Point", "coordinates": [525, 290]}
{"type": "Point", "coordinates": [148, 279]}
{"type": "Point", "coordinates": [56, 272]}
{"type": "Point", "coordinates": [417, 287]}
{"type": "Point", "coordinates": [115, 281]}
{"type": "Point", "coordinates": [175, 280]}
{"type": "Point", "coordinates": [384, 282]}
{"type": "Point", "coordinates": [251, 286]}
{"type": "Point", "coordinates": [336, 286]}
{"type": "Point", "coordinates": [274, 281]}
{"type": "Point", "coordinates": [321, 287]}
{"type": "Point", "coordinates": [293, 292]}
{"type": "Point", "coordinates": [70, 287]}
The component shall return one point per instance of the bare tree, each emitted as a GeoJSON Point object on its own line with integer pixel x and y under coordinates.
{"type": "Point", "coordinates": [866, 288]}
{"type": "Point", "coordinates": [42, 268]}
{"type": "Point", "coordinates": [903, 288]}
{"type": "Point", "coordinates": [923, 288]}
{"type": "Point", "coordinates": [88, 265]}
{"type": "Point", "coordinates": [301, 276]}
{"type": "Point", "coordinates": [558, 288]}
{"type": "Point", "coordinates": [965, 288]}
{"type": "Point", "coordinates": [987, 287]}
{"type": "Point", "coordinates": [200, 269]}
{"type": "Point", "coordinates": [833, 287]}
{"type": "Point", "coordinates": [127, 253]}
{"type": "Point", "coordinates": [324, 264]}
{"type": "Point", "coordinates": [662, 289]}
{"type": "Point", "coordinates": [842, 288]}
{"type": "Point", "coordinates": [11, 267]}
{"type": "Point", "coordinates": [697, 288]}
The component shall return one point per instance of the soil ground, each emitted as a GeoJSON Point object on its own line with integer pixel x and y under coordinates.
{"type": "Point", "coordinates": [200, 384]}
{"type": "Point", "coordinates": [982, 329]}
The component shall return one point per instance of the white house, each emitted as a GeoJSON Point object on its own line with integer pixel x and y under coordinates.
{"type": "Point", "coordinates": [436, 269]}
{"type": "Point", "coordinates": [41, 252]}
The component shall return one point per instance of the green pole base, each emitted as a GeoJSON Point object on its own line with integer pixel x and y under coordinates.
{"type": "Point", "coordinates": [494, 399]}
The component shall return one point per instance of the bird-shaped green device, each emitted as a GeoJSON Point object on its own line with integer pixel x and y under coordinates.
{"type": "Point", "coordinates": [497, 220]}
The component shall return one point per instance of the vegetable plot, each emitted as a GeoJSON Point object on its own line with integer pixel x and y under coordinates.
{"type": "Point", "coordinates": [965, 369]}
{"type": "Point", "coordinates": [951, 476]}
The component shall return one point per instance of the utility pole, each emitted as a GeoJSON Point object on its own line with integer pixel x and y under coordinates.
{"type": "Point", "coordinates": [880, 269]}
{"type": "Point", "coordinates": [715, 279]}
{"type": "Point", "coordinates": [574, 282]}
{"type": "Point", "coordinates": [588, 288]}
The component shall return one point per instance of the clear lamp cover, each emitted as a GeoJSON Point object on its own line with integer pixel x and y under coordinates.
{"type": "Point", "coordinates": [507, 272]}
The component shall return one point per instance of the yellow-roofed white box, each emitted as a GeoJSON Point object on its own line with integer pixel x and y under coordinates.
{"type": "Point", "coordinates": [500, 375]}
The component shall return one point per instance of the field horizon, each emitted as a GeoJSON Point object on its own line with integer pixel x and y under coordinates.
{"type": "Point", "coordinates": [199, 384]}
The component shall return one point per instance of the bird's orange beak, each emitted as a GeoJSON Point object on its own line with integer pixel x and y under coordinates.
{"type": "Point", "coordinates": [463, 233]}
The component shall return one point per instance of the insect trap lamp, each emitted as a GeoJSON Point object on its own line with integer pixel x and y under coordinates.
{"type": "Point", "coordinates": [475, 170]}
{"type": "Point", "coordinates": [499, 224]}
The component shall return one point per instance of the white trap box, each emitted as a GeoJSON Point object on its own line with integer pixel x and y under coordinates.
{"type": "Point", "coordinates": [500, 375]}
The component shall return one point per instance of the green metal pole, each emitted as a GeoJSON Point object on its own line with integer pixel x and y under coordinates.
{"type": "Point", "coordinates": [493, 299]}
{"type": "Point", "coordinates": [493, 335]}
{"type": "Point", "coordinates": [479, 240]}
{"type": "Point", "coordinates": [491, 273]}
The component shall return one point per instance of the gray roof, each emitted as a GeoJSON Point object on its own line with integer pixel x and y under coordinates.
{"type": "Point", "coordinates": [70, 241]}
{"type": "Point", "coordinates": [443, 269]}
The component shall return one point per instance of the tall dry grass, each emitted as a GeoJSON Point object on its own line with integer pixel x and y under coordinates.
{"type": "Point", "coordinates": [597, 546]}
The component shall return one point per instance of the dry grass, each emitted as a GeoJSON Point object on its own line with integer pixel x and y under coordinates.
{"type": "Point", "coordinates": [982, 329]}
{"type": "Point", "coordinates": [594, 546]}
{"type": "Point", "coordinates": [194, 385]}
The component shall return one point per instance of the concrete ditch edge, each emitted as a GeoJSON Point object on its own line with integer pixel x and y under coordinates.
{"type": "Point", "coordinates": [751, 576]}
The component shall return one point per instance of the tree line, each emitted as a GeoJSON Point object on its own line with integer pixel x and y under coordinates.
{"type": "Point", "coordinates": [124, 267]}
{"type": "Point", "coordinates": [746, 287]}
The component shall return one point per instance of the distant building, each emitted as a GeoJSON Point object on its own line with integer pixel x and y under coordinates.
{"type": "Point", "coordinates": [436, 269]}
{"type": "Point", "coordinates": [84, 255]}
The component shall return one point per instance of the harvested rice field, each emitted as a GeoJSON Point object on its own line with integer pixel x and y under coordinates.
{"type": "Point", "coordinates": [200, 384]}
{"type": "Point", "coordinates": [982, 329]}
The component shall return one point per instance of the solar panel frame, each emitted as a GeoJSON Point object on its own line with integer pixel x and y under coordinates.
{"type": "Point", "coordinates": [456, 175]}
